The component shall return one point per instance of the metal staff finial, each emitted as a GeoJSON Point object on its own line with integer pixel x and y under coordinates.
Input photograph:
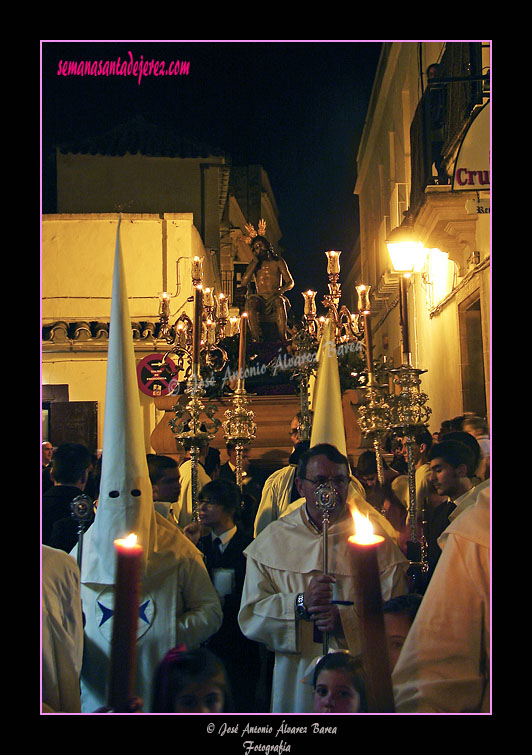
{"type": "Point", "coordinates": [82, 510]}
{"type": "Point", "coordinates": [326, 498]}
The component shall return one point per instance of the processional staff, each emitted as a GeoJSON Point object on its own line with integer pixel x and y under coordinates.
{"type": "Point", "coordinates": [82, 509]}
{"type": "Point", "coordinates": [326, 499]}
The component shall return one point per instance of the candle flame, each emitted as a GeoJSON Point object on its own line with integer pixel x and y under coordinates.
{"type": "Point", "coordinates": [363, 527]}
{"type": "Point", "coordinates": [128, 542]}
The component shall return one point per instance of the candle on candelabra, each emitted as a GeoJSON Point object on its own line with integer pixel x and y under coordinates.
{"type": "Point", "coordinates": [403, 316]}
{"type": "Point", "coordinates": [164, 304]}
{"type": "Point", "coordinates": [210, 327]}
{"type": "Point", "coordinates": [310, 304]}
{"type": "Point", "coordinates": [197, 270]}
{"type": "Point", "coordinates": [365, 311]}
{"type": "Point", "coordinates": [125, 623]}
{"type": "Point", "coordinates": [242, 345]}
{"type": "Point", "coordinates": [223, 307]}
{"type": "Point", "coordinates": [196, 335]}
{"type": "Point", "coordinates": [208, 298]}
{"type": "Point", "coordinates": [363, 299]}
{"type": "Point", "coordinates": [333, 262]}
{"type": "Point", "coordinates": [233, 326]}
{"type": "Point", "coordinates": [180, 333]}
{"type": "Point", "coordinates": [362, 547]}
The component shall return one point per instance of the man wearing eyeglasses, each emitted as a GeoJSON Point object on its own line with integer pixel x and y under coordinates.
{"type": "Point", "coordinates": [286, 595]}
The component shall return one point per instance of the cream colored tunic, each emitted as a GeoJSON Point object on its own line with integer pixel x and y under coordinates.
{"type": "Point", "coordinates": [444, 665]}
{"type": "Point", "coordinates": [275, 497]}
{"type": "Point", "coordinates": [62, 632]}
{"type": "Point", "coordinates": [182, 508]}
{"type": "Point", "coordinates": [280, 564]}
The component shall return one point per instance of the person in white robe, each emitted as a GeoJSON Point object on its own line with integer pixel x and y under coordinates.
{"type": "Point", "coordinates": [181, 511]}
{"type": "Point", "coordinates": [275, 497]}
{"type": "Point", "coordinates": [62, 632]}
{"type": "Point", "coordinates": [178, 603]}
{"type": "Point", "coordinates": [444, 665]}
{"type": "Point", "coordinates": [286, 595]}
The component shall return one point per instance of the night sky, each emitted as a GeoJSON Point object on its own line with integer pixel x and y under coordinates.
{"type": "Point", "coordinates": [296, 108]}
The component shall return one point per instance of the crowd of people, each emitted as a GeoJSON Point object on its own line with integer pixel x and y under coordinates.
{"type": "Point", "coordinates": [254, 603]}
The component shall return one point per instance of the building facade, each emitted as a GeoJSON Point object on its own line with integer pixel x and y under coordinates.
{"type": "Point", "coordinates": [424, 160]}
{"type": "Point", "coordinates": [177, 201]}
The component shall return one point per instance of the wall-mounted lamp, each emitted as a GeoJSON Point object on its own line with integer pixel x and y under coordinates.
{"type": "Point", "coordinates": [407, 254]}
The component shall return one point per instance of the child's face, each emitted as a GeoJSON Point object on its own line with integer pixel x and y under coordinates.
{"type": "Point", "coordinates": [202, 697]}
{"type": "Point", "coordinates": [396, 626]}
{"type": "Point", "coordinates": [335, 693]}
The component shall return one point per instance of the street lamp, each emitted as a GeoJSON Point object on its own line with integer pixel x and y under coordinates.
{"type": "Point", "coordinates": [408, 256]}
{"type": "Point", "coordinates": [409, 409]}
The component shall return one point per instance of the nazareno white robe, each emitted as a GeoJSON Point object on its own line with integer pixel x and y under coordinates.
{"type": "Point", "coordinates": [178, 604]}
{"type": "Point", "coordinates": [280, 564]}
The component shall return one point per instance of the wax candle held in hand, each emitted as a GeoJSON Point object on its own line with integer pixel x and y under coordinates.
{"type": "Point", "coordinates": [125, 623]}
{"type": "Point", "coordinates": [363, 547]}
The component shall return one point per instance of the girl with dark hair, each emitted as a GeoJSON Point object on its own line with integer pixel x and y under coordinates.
{"type": "Point", "coordinates": [191, 681]}
{"type": "Point", "coordinates": [339, 685]}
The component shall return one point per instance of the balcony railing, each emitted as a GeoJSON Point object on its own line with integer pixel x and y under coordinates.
{"type": "Point", "coordinates": [443, 112]}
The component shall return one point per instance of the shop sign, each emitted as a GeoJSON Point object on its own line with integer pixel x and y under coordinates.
{"type": "Point", "coordinates": [472, 166]}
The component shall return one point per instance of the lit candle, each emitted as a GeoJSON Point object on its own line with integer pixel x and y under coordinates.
{"type": "Point", "coordinates": [223, 307]}
{"type": "Point", "coordinates": [365, 311]}
{"type": "Point", "coordinates": [211, 332]}
{"type": "Point", "coordinates": [242, 345]}
{"type": "Point", "coordinates": [180, 332]}
{"type": "Point", "coordinates": [164, 304]}
{"type": "Point", "coordinates": [310, 304]}
{"type": "Point", "coordinates": [125, 623]}
{"type": "Point", "coordinates": [197, 270]}
{"type": "Point", "coordinates": [363, 553]}
{"type": "Point", "coordinates": [333, 262]}
{"type": "Point", "coordinates": [233, 326]}
{"type": "Point", "coordinates": [363, 299]}
{"type": "Point", "coordinates": [196, 335]}
{"type": "Point", "coordinates": [208, 299]}
{"type": "Point", "coordinates": [403, 318]}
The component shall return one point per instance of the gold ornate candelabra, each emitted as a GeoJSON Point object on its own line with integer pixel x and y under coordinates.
{"type": "Point", "coordinates": [193, 343]}
{"type": "Point", "coordinates": [374, 416]}
{"type": "Point", "coordinates": [304, 347]}
{"type": "Point", "coordinates": [409, 407]}
{"type": "Point", "coordinates": [348, 325]}
{"type": "Point", "coordinates": [305, 342]}
{"type": "Point", "coordinates": [239, 426]}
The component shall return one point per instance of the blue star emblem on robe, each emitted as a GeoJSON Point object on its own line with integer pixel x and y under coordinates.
{"type": "Point", "coordinates": [108, 612]}
{"type": "Point", "coordinates": [105, 610]}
